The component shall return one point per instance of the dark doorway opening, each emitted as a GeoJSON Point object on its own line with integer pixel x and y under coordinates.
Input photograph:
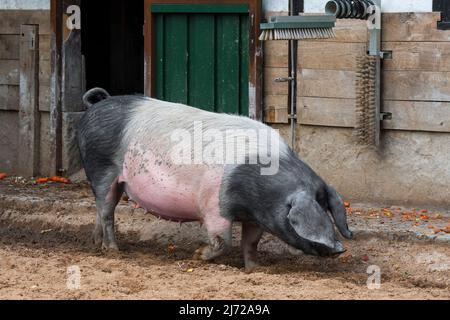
{"type": "Point", "coordinates": [113, 45]}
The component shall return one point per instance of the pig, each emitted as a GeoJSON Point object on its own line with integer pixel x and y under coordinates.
{"type": "Point", "coordinates": [126, 145]}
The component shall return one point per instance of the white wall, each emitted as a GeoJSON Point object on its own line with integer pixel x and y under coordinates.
{"type": "Point", "coordinates": [275, 5]}
{"type": "Point", "coordinates": [25, 4]}
{"type": "Point", "coordinates": [387, 5]}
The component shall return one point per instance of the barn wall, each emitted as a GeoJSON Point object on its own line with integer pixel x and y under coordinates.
{"type": "Point", "coordinates": [412, 163]}
{"type": "Point", "coordinates": [387, 5]}
{"type": "Point", "coordinates": [25, 5]}
{"type": "Point", "coordinates": [10, 21]}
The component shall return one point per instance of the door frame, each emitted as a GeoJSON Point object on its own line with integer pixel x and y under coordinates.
{"type": "Point", "coordinates": [255, 49]}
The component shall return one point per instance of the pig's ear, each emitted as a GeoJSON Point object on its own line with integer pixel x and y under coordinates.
{"type": "Point", "coordinates": [338, 212]}
{"type": "Point", "coordinates": [310, 221]}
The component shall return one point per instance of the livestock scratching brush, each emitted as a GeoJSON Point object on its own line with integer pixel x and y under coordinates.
{"type": "Point", "coordinates": [298, 27]}
{"type": "Point", "coordinates": [366, 109]}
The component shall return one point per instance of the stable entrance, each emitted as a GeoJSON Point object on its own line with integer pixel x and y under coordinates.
{"type": "Point", "coordinates": [202, 55]}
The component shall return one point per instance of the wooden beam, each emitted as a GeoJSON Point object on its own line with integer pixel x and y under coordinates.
{"type": "Point", "coordinates": [9, 47]}
{"type": "Point", "coordinates": [55, 135]}
{"type": "Point", "coordinates": [11, 20]}
{"type": "Point", "coordinates": [406, 115]}
{"type": "Point", "coordinates": [276, 109]}
{"type": "Point", "coordinates": [9, 72]}
{"type": "Point", "coordinates": [29, 121]}
{"type": "Point", "coordinates": [327, 83]}
{"type": "Point", "coordinates": [397, 85]}
{"type": "Point", "coordinates": [329, 55]}
{"type": "Point", "coordinates": [411, 26]}
{"type": "Point", "coordinates": [328, 112]}
{"type": "Point", "coordinates": [417, 56]}
{"type": "Point", "coordinates": [9, 97]}
{"type": "Point", "coordinates": [271, 87]}
{"type": "Point", "coordinates": [416, 85]}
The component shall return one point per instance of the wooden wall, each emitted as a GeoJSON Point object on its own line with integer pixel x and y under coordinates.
{"type": "Point", "coordinates": [416, 81]}
{"type": "Point", "coordinates": [10, 22]}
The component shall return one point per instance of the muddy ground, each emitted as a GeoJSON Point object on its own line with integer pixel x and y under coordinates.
{"type": "Point", "coordinates": [44, 230]}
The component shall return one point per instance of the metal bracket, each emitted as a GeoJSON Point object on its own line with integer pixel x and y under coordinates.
{"type": "Point", "coordinates": [284, 79]}
{"type": "Point", "coordinates": [386, 55]}
{"type": "Point", "coordinates": [385, 116]}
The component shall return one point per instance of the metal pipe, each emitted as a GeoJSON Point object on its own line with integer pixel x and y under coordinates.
{"type": "Point", "coordinates": [294, 9]}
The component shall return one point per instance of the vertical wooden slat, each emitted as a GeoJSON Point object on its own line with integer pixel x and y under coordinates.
{"type": "Point", "coordinates": [29, 121]}
{"type": "Point", "coordinates": [227, 63]}
{"type": "Point", "coordinates": [201, 61]}
{"type": "Point", "coordinates": [159, 58]}
{"type": "Point", "coordinates": [243, 66]}
{"type": "Point", "coordinates": [176, 58]}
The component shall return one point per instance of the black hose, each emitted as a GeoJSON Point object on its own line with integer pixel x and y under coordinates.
{"type": "Point", "coordinates": [349, 9]}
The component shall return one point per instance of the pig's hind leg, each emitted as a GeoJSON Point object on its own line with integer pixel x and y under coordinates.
{"type": "Point", "coordinates": [107, 196]}
{"type": "Point", "coordinates": [251, 234]}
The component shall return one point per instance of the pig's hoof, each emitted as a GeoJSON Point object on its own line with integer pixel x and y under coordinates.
{"type": "Point", "coordinates": [112, 247]}
{"type": "Point", "coordinates": [97, 239]}
{"type": "Point", "coordinates": [202, 254]}
{"type": "Point", "coordinates": [250, 267]}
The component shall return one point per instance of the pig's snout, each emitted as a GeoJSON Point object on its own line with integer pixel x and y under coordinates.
{"type": "Point", "coordinates": [339, 248]}
{"type": "Point", "coordinates": [329, 252]}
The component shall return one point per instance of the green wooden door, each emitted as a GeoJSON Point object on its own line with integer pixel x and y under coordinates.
{"type": "Point", "coordinates": [202, 56]}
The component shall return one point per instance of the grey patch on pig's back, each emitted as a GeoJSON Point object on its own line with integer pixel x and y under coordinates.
{"type": "Point", "coordinates": [100, 137]}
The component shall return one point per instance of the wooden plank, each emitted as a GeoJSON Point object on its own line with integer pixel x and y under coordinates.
{"type": "Point", "coordinates": [276, 54]}
{"type": "Point", "coordinates": [397, 85]}
{"type": "Point", "coordinates": [44, 98]}
{"type": "Point", "coordinates": [326, 112]}
{"type": "Point", "coordinates": [406, 115]}
{"type": "Point", "coordinates": [244, 65]}
{"type": "Point", "coordinates": [418, 56]}
{"type": "Point", "coordinates": [410, 26]}
{"type": "Point", "coordinates": [9, 47]}
{"type": "Point", "coordinates": [416, 85]}
{"type": "Point", "coordinates": [9, 72]}
{"type": "Point", "coordinates": [201, 61]}
{"type": "Point", "coordinates": [72, 73]}
{"type": "Point", "coordinates": [11, 20]}
{"type": "Point", "coordinates": [420, 116]}
{"type": "Point", "coordinates": [326, 83]}
{"type": "Point", "coordinates": [275, 88]}
{"type": "Point", "coordinates": [159, 60]}
{"type": "Point", "coordinates": [276, 109]}
{"type": "Point", "coordinates": [199, 8]}
{"type": "Point", "coordinates": [329, 55]}
{"type": "Point", "coordinates": [227, 63]}
{"type": "Point", "coordinates": [29, 117]}
{"type": "Point", "coordinates": [176, 58]}
{"type": "Point", "coordinates": [9, 97]}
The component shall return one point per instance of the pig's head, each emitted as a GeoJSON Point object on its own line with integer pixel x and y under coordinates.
{"type": "Point", "coordinates": [310, 226]}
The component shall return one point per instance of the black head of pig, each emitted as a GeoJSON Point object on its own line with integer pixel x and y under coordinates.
{"type": "Point", "coordinates": [310, 227]}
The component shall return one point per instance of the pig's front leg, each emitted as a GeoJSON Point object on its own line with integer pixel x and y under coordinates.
{"type": "Point", "coordinates": [219, 234]}
{"type": "Point", "coordinates": [251, 234]}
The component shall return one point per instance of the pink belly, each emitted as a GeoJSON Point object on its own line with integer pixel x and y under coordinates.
{"type": "Point", "coordinates": [169, 191]}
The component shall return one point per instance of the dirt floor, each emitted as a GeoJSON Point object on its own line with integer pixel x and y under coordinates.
{"type": "Point", "coordinates": [46, 229]}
